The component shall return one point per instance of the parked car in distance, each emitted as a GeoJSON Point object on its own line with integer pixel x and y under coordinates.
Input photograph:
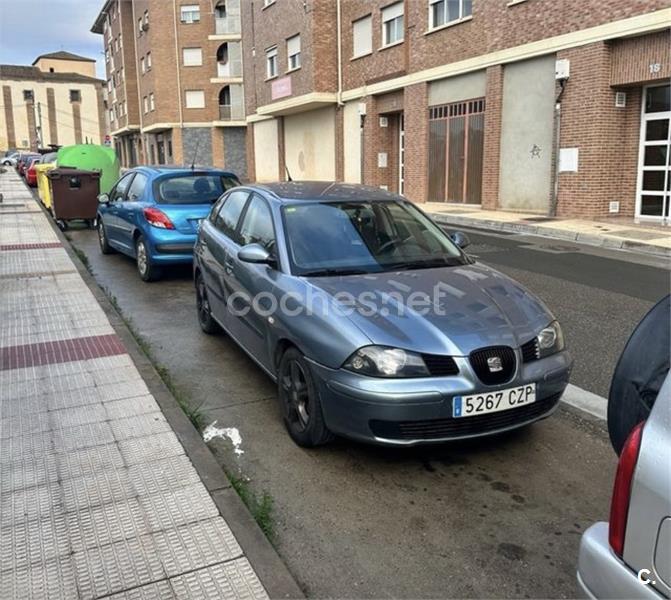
{"type": "Point", "coordinates": [10, 158]}
{"type": "Point", "coordinates": [152, 214]}
{"type": "Point", "coordinates": [31, 173]}
{"type": "Point", "coordinates": [630, 556]}
{"type": "Point", "coordinates": [23, 162]}
{"type": "Point", "coordinates": [485, 356]}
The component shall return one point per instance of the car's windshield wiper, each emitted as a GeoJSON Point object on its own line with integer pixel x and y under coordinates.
{"type": "Point", "coordinates": [428, 263]}
{"type": "Point", "coordinates": [334, 272]}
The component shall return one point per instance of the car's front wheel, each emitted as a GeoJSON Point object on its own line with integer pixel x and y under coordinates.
{"type": "Point", "coordinates": [103, 242]}
{"type": "Point", "coordinates": [299, 399]}
{"type": "Point", "coordinates": [205, 319]}
{"type": "Point", "coordinates": [147, 271]}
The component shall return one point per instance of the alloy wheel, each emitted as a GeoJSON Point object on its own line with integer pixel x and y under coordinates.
{"type": "Point", "coordinates": [141, 258]}
{"type": "Point", "coordinates": [202, 302]}
{"type": "Point", "coordinates": [297, 396]}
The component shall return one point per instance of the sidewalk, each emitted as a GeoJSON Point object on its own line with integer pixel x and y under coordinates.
{"type": "Point", "coordinates": [97, 495]}
{"type": "Point", "coordinates": [650, 239]}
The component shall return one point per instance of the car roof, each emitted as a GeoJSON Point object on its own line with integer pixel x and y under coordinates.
{"type": "Point", "coordinates": [156, 170]}
{"type": "Point", "coordinates": [325, 191]}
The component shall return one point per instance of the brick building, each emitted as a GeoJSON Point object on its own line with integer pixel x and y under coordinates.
{"type": "Point", "coordinates": [530, 105]}
{"type": "Point", "coordinates": [56, 101]}
{"type": "Point", "coordinates": [174, 78]}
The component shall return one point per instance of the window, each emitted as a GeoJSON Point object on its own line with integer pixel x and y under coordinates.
{"type": "Point", "coordinates": [197, 188]}
{"type": "Point", "coordinates": [145, 20]}
{"type": "Point", "coordinates": [257, 226]}
{"type": "Point", "coordinates": [229, 215]}
{"type": "Point", "coordinates": [107, 54]}
{"type": "Point", "coordinates": [148, 61]}
{"type": "Point", "coordinates": [271, 62]}
{"type": "Point", "coordinates": [111, 115]}
{"type": "Point", "coordinates": [195, 99]}
{"type": "Point", "coordinates": [294, 52]}
{"type": "Point", "coordinates": [193, 57]}
{"type": "Point", "coordinates": [142, 67]}
{"type": "Point", "coordinates": [119, 192]}
{"type": "Point", "coordinates": [139, 26]}
{"type": "Point", "coordinates": [75, 96]}
{"type": "Point", "coordinates": [152, 104]}
{"type": "Point", "coordinates": [145, 104]}
{"type": "Point", "coordinates": [362, 36]}
{"type": "Point", "coordinates": [392, 24]}
{"type": "Point", "coordinates": [109, 86]}
{"type": "Point", "coordinates": [28, 95]}
{"type": "Point", "coordinates": [442, 12]}
{"type": "Point", "coordinates": [190, 13]}
{"type": "Point", "coordinates": [136, 189]}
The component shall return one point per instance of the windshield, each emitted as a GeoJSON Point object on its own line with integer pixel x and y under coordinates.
{"type": "Point", "coordinates": [342, 238]}
{"type": "Point", "coordinates": [193, 188]}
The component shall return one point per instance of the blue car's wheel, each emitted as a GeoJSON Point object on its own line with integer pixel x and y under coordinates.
{"type": "Point", "coordinates": [105, 248]}
{"type": "Point", "coordinates": [301, 407]}
{"type": "Point", "coordinates": [147, 271]}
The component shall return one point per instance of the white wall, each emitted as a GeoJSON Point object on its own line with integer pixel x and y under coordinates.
{"type": "Point", "coordinates": [352, 142]}
{"type": "Point", "coordinates": [309, 145]}
{"type": "Point", "coordinates": [457, 89]}
{"type": "Point", "coordinates": [527, 134]}
{"type": "Point", "coordinates": [266, 157]}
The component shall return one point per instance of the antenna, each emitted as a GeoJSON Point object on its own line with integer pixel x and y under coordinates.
{"type": "Point", "coordinates": [195, 155]}
{"type": "Point", "coordinates": [289, 178]}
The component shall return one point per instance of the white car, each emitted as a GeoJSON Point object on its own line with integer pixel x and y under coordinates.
{"type": "Point", "coordinates": [630, 556]}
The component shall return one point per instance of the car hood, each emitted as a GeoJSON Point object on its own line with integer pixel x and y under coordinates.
{"type": "Point", "coordinates": [452, 310]}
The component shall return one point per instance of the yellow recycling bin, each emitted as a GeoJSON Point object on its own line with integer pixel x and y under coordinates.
{"type": "Point", "coordinates": [43, 183]}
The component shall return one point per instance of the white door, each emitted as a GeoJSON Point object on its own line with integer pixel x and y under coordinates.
{"type": "Point", "coordinates": [654, 178]}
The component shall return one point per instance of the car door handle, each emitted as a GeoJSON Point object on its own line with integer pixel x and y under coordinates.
{"type": "Point", "coordinates": [228, 267]}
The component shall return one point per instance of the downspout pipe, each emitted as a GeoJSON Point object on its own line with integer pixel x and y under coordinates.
{"type": "Point", "coordinates": [558, 116]}
{"type": "Point", "coordinates": [339, 36]}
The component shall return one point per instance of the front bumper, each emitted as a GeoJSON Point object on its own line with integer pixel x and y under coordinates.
{"type": "Point", "coordinates": [601, 574]}
{"type": "Point", "coordinates": [409, 412]}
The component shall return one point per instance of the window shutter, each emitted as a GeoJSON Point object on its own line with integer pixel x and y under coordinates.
{"type": "Point", "coordinates": [393, 11]}
{"type": "Point", "coordinates": [293, 45]}
{"type": "Point", "coordinates": [362, 36]}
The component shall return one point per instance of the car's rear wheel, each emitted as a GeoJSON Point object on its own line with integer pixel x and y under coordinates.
{"type": "Point", "coordinates": [147, 271]}
{"type": "Point", "coordinates": [205, 319]}
{"type": "Point", "coordinates": [299, 399]}
{"type": "Point", "coordinates": [103, 242]}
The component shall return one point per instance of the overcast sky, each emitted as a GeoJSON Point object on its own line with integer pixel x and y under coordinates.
{"type": "Point", "coordinates": [32, 27]}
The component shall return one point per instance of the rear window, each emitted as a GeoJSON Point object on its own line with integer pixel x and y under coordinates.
{"type": "Point", "coordinates": [193, 189]}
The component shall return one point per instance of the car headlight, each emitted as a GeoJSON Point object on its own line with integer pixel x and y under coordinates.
{"type": "Point", "coordinates": [550, 340]}
{"type": "Point", "coordinates": [379, 361]}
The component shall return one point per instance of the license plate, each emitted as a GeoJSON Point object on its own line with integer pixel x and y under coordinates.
{"type": "Point", "coordinates": [491, 402]}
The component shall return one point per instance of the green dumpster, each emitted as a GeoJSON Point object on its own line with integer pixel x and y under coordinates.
{"type": "Point", "coordinates": [89, 157]}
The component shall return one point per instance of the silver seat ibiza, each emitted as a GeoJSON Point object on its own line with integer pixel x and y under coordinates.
{"type": "Point", "coordinates": [372, 320]}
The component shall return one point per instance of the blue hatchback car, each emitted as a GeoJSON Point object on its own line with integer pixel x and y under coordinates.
{"type": "Point", "coordinates": [152, 214]}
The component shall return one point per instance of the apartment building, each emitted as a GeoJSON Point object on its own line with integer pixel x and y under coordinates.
{"type": "Point", "coordinates": [559, 108]}
{"type": "Point", "coordinates": [56, 101]}
{"type": "Point", "coordinates": [174, 76]}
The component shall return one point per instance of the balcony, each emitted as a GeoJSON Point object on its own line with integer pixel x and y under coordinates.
{"type": "Point", "coordinates": [227, 25]}
{"type": "Point", "coordinates": [231, 112]}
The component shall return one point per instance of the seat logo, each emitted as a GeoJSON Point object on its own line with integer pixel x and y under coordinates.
{"type": "Point", "coordinates": [495, 364]}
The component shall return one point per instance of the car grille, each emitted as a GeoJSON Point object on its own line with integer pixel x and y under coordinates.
{"type": "Point", "coordinates": [435, 429]}
{"type": "Point", "coordinates": [439, 365]}
{"type": "Point", "coordinates": [482, 369]}
{"type": "Point", "coordinates": [530, 351]}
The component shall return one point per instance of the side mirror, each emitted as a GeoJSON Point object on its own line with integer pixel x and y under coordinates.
{"type": "Point", "coordinates": [255, 254]}
{"type": "Point", "coordinates": [460, 239]}
{"type": "Point", "coordinates": [103, 199]}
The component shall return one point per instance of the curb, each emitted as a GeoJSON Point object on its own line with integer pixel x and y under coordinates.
{"type": "Point", "coordinates": [589, 239]}
{"type": "Point", "coordinates": [269, 567]}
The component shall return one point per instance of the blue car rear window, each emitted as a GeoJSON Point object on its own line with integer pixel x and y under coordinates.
{"type": "Point", "coordinates": [193, 189]}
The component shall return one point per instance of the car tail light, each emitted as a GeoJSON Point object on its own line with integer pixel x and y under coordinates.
{"type": "Point", "coordinates": [157, 218]}
{"type": "Point", "coordinates": [619, 506]}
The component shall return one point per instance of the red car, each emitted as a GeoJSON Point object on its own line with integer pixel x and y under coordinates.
{"type": "Point", "coordinates": [24, 162]}
{"type": "Point", "coordinates": [31, 173]}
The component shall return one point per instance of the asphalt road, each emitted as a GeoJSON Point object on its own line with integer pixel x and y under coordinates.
{"type": "Point", "coordinates": [500, 518]}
